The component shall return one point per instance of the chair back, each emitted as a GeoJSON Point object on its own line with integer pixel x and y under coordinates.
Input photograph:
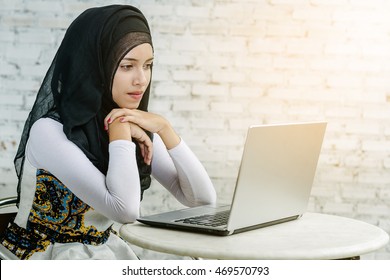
{"type": "Point", "coordinates": [7, 216]}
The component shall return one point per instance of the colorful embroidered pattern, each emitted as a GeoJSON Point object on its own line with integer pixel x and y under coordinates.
{"type": "Point", "coordinates": [57, 215]}
{"type": "Point", "coordinates": [22, 242]}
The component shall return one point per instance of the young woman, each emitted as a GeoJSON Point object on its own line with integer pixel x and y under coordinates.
{"type": "Point", "coordinates": [95, 146]}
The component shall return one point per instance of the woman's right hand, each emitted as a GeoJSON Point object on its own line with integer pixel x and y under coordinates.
{"type": "Point", "coordinates": [128, 131]}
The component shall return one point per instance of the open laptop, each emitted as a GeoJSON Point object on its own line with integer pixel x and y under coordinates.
{"type": "Point", "coordinates": [274, 183]}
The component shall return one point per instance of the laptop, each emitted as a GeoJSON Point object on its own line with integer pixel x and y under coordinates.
{"type": "Point", "coordinates": [274, 182]}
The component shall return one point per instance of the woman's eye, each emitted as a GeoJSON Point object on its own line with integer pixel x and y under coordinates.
{"type": "Point", "coordinates": [126, 66]}
{"type": "Point", "coordinates": [148, 66]}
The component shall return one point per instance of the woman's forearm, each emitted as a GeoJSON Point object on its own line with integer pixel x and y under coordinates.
{"type": "Point", "coordinates": [119, 131]}
{"type": "Point", "coordinates": [169, 136]}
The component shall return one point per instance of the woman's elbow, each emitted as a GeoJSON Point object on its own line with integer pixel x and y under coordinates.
{"type": "Point", "coordinates": [125, 213]}
{"type": "Point", "coordinates": [127, 216]}
{"type": "Point", "coordinates": [206, 199]}
{"type": "Point", "coordinates": [210, 199]}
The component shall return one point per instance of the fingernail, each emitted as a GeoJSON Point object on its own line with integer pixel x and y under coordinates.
{"type": "Point", "coordinates": [121, 119]}
{"type": "Point", "coordinates": [109, 120]}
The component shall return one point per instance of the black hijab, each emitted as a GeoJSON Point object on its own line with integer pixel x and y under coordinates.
{"type": "Point", "coordinates": [76, 90]}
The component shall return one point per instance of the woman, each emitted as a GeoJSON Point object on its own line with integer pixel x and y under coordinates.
{"type": "Point", "coordinates": [94, 145]}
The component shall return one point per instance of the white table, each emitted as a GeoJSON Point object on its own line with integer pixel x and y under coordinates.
{"type": "Point", "coordinates": [313, 236]}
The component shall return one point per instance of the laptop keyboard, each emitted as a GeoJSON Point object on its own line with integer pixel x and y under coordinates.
{"type": "Point", "coordinates": [212, 220]}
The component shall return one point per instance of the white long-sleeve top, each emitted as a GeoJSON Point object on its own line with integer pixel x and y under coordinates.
{"type": "Point", "coordinates": [117, 195]}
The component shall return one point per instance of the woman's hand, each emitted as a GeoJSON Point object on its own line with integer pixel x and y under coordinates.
{"type": "Point", "coordinates": [129, 131]}
{"type": "Point", "coordinates": [148, 121]}
{"type": "Point", "coordinates": [145, 143]}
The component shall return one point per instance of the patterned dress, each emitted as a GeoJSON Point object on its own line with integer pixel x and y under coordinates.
{"type": "Point", "coordinates": [56, 216]}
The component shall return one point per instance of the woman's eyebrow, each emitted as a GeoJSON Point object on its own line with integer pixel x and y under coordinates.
{"type": "Point", "coordinates": [136, 60]}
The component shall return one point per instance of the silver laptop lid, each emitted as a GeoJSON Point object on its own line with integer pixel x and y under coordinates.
{"type": "Point", "coordinates": [276, 173]}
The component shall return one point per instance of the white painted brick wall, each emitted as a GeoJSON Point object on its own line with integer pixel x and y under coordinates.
{"type": "Point", "coordinates": [222, 65]}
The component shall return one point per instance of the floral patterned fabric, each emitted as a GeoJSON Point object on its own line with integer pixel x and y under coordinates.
{"type": "Point", "coordinates": [56, 216]}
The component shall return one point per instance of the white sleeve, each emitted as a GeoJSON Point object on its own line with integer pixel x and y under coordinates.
{"type": "Point", "coordinates": [182, 174]}
{"type": "Point", "coordinates": [117, 195]}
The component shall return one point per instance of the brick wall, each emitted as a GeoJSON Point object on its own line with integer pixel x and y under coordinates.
{"type": "Point", "coordinates": [222, 65]}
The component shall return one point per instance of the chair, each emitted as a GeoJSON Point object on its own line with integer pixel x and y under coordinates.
{"type": "Point", "coordinates": [5, 218]}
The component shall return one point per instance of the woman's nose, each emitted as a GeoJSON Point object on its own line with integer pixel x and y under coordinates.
{"type": "Point", "coordinates": [140, 78]}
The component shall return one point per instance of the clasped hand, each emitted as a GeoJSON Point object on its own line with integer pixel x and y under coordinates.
{"type": "Point", "coordinates": [138, 121]}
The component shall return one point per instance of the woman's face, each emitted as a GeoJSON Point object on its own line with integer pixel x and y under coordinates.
{"type": "Point", "coordinates": [132, 77]}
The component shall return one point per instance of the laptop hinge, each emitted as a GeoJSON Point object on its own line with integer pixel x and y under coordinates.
{"type": "Point", "coordinates": [266, 224]}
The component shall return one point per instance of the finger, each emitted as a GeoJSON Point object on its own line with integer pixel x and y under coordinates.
{"type": "Point", "coordinates": [128, 118]}
{"type": "Point", "coordinates": [150, 153]}
{"type": "Point", "coordinates": [145, 143]}
{"type": "Point", "coordinates": [144, 155]}
{"type": "Point", "coordinates": [148, 150]}
{"type": "Point", "coordinates": [105, 122]}
{"type": "Point", "coordinates": [144, 151]}
{"type": "Point", "coordinates": [116, 113]}
{"type": "Point", "coordinates": [148, 156]}
{"type": "Point", "coordinates": [142, 148]}
{"type": "Point", "coordinates": [138, 119]}
{"type": "Point", "coordinates": [108, 119]}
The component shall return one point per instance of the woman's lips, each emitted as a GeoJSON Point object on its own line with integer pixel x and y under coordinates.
{"type": "Point", "coordinates": [136, 95]}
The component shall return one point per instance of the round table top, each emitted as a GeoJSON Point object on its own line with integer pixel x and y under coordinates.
{"type": "Point", "coordinates": [313, 236]}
